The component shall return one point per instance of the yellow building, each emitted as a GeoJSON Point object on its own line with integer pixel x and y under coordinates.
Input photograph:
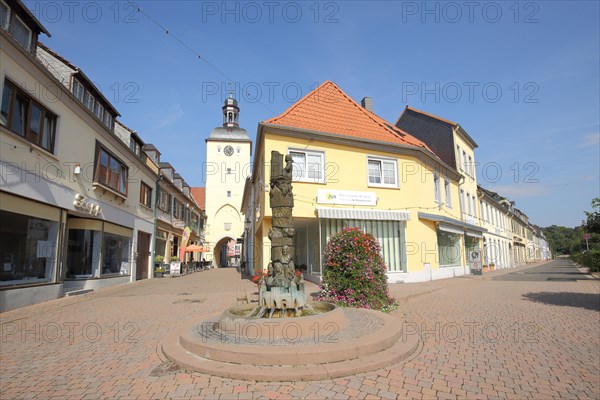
{"type": "Point", "coordinates": [352, 168]}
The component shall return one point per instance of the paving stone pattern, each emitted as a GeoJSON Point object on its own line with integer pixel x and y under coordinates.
{"type": "Point", "coordinates": [481, 339]}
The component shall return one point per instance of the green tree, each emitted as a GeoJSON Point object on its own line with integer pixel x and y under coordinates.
{"type": "Point", "coordinates": [592, 225]}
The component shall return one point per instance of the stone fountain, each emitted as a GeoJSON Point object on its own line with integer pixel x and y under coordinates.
{"type": "Point", "coordinates": [316, 341]}
{"type": "Point", "coordinates": [282, 290]}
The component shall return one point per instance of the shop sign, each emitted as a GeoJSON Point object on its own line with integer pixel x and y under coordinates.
{"type": "Point", "coordinates": [81, 203]}
{"type": "Point", "coordinates": [346, 197]}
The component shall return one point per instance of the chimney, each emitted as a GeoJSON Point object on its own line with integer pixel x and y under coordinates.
{"type": "Point", "coordinates": [367, 103]}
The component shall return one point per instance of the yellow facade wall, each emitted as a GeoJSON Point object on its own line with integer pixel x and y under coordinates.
{"type": "Point", "coordinates": [346, 169]}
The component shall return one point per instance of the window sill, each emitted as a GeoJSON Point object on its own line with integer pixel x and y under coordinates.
{"type": "Point", "coordinates": [308, 181]}
{"type": "Point", "coordinates": [376, 186]}
{"type": "Point", "coordinates": [146, 208]}
{"type": "Point", "coordinates": [105, 189]}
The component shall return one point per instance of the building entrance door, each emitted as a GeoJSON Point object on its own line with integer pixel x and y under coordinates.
{"type": "Point", "coordinates": [143, 249]}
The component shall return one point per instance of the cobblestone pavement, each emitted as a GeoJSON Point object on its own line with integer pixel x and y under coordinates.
{"type": "Point", "coordinates": [481, 338]}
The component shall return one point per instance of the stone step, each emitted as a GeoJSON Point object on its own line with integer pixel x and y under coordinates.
{"type": "Point", "coordinates": [400, 351]}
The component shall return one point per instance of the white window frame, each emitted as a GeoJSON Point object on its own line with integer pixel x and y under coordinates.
{"type": "Point", "coordinates": [382, 161]}
{"type": "Point", "coordinates": [108, 119]}
{"type": "Point", "coordinates": [448, 192]}
{"type": "Point", "coordinates": [99, 111]}
{"type": "Point", "coordinates": [469, 203]}
{"type": "Point", "coordinates": [437, 188]}
{"type": "Point", "coordinates": [305, 168]}
{"type": "Point", "coordinates": [88, 96]}
{"type": "Point", "coordinates": [8, 13]}
{"type": "Point", "coordinates": [28, 48]}
{"type": "Point", "coordinates": [79, 84]}
{"type": "Point", "coordinates": [471, 166]}
{"type": "Point", "coordinates": [464, 154]}
{"type": "Point", "coordinates": [463, 206]}
{"type": "Point", "coordinates": [458, 156]}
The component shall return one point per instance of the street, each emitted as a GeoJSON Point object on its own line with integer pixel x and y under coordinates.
{"type": "Point", "coordinates": [530, 332]}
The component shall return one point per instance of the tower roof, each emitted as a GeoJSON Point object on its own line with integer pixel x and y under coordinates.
{"type": "Point", "coordinates": [230, 131]}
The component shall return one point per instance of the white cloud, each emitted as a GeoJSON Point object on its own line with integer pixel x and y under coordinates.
{"type": "Point", "coordinates": [174, 114]}
{"type": "Point", "coordinates": [591, 139]}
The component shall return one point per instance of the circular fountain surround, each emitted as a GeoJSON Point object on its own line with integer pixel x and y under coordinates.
{"type": "Point", "coordinates": [317, 319]}
{"type": "Point", "coordinates": [329, 343]}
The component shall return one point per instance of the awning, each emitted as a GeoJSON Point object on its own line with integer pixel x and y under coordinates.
{"type": "Point", "coordinates": [474, 234]}
{"type": "Point", "coordinates": [353, 213]}
{"type": "Point", "coordinates": [450, 228]}
{"type": "Point", "coordinates": [453, 225]}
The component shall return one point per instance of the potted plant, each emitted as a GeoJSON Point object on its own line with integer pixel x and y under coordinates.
{"type": "Point", "coordinates": [485, 268]}
{"type": "Point", "coordinates": [158, 260]}
{"type": "Point", "coordinates": [174, 258]}
{"type": "Point", "coordinates": [159, 272]}
{"type": "Point", "coordinates": [492, 266]}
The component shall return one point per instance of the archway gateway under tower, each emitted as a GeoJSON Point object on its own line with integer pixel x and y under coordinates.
{"type": "Point", "coordinates": [226, 253]}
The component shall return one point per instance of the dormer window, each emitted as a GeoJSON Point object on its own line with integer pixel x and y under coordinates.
{"type": "Point", "coordinates": [99, 111]}
{"type": "Point", "coordinates": [89, 101]}
{"type": "Point", "coordinates": [78, 90]}
{"type": "Point", "coordinates": [21, 33]}
{"type": "Point", "coordinates": [4, 15]}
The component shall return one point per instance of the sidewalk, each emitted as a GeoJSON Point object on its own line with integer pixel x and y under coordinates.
{"type": "Point", "coordinates": [405, 291]}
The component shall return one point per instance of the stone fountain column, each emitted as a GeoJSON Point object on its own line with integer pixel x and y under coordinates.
{"type": "Point", "coordinates": [283, 287]}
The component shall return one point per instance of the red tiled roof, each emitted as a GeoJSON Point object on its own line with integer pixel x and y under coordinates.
{"type": "Point", "coordinates": [199, 194]}
{"type": "Point", "coordinates": [328, 109]}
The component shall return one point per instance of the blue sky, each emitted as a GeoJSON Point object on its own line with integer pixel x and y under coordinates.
{"type": "Point", "coordinates": [521, 78]}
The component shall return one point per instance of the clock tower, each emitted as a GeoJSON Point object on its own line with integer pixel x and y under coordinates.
{"type": "Point", "coordinates": [228, 153]}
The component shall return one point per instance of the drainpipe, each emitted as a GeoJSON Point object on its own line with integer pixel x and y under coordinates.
{"type": "Point", "coordinates": [156, 199]}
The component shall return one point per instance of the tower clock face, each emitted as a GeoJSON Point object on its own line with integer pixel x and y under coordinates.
{"type": "Point", "coordinates": [228, 150]}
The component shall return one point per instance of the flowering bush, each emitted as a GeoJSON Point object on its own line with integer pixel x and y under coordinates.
{"type": "Point", "coordinates": [354, 272]}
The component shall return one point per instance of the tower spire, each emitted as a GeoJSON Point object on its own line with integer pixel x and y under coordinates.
{"type": "Point", "coordinates": [231, 112]}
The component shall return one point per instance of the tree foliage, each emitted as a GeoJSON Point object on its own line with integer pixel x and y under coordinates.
{"type": "Point", "coordinates": [565, 240]}
{"type": "Point", "coordinates": [592, 224]}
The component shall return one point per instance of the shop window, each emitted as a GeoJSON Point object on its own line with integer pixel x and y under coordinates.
{"type": "Point", "coordinates": [448, 249]}
{"type": "Point", "coordinates": [83, 253]}
{"type": "Point", "coordinates": [27, 118]}
{"type": "Point", "coordinates": [389, 234]}
{"type": "Point", "coordinates": [27, 253]}
{"type": "Point", "coordinates": [115, 254]}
